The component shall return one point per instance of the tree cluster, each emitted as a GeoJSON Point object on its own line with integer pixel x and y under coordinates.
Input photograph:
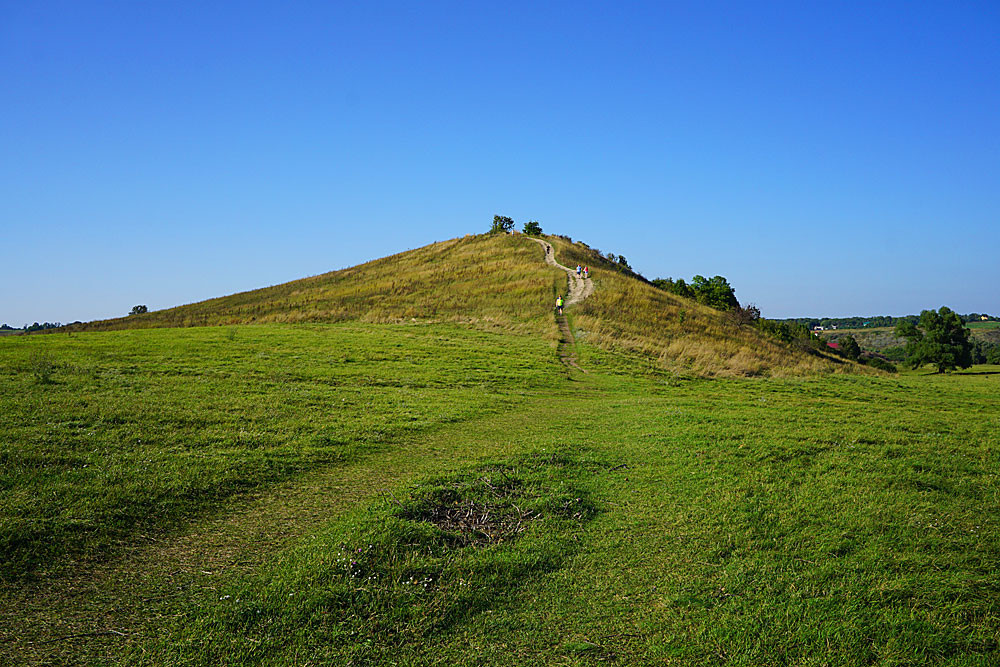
{"type": "Point", "coordinates": [505, 225]}
{"type": "Point", "coordinates": [139, 310]}
{"type": "Point", "coordinates": [502, 225]}
{"type": "Point", "coordinates": [715, 292]}
{"type": "Point", "coordinates": [939, 338]}
{"type": "Point", "coordinates": [44, 326]}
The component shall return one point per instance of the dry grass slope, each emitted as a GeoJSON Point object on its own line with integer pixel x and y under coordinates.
{"type": "Point", "coordinates": [626, 313]}
{"type": "Point", "coordinates": [491, 281]}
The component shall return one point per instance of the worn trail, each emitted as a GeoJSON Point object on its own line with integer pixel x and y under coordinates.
{"type": "Point", "coordinates": [579, 289]}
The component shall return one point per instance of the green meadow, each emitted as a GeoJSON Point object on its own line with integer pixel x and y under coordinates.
{"type": "Point", "coordinates": [440, 494]}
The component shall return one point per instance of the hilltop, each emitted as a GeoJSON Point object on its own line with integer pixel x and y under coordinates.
{"type": "Point", "coordinates": [500, 281]}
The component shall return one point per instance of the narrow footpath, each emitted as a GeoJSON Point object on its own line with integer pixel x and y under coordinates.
{"type": "Point", "coordinates": [579, 289]}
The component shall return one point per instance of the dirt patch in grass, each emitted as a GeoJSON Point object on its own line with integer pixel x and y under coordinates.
{"type": "Point", "coordinates": [470, 521]}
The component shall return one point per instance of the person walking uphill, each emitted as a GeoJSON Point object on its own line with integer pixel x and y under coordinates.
{"type": "Point", "coordinates": [559, 304]}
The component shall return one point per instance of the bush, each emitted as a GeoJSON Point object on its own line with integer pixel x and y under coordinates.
{"type": "Point", "coordinates": [532, 228]}
{"type": "Point", "coordinates": [849, 347]}
{"type": "Point", "coordinates": [745, 315]}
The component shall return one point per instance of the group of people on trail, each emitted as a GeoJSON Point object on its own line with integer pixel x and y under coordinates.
{"type": "Point", "coordinates": [583, 271]}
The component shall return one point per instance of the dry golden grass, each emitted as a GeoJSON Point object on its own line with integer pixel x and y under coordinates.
{"type": "Point", "coordinates": [626, 313]}
{"type": "Point", "coordinates": [490, 281]}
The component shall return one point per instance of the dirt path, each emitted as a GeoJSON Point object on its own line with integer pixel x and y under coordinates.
{"type": "Point", "coordinates": [579, 289]}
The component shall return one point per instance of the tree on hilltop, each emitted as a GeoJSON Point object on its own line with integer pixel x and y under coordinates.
{"type": "Point", "coordinates": [502, 224]}
{"type": "Point", "coordinates": [139, 310]}
{"type": "Point", "coordinates": [532, 228]}
{"type": "Point", "coordinates": [938, 338]}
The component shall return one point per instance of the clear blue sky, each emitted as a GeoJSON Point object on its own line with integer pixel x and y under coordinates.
{"type": "Point", "coordinates": [827, 158]}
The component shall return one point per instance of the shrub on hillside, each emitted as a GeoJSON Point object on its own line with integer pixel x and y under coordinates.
{"type": "Point", "coordinates": [849, 348]}
{"type": "Point", "coordinates": [532, 228]}
{"type": "Point", "coordinates": [745, 315]}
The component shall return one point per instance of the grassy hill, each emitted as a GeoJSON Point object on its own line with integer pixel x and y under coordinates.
{"type": "Point", "coordinates": [486, 280]}
{"type": "Point", "coordinates": [414, 478]}
{"type": "Point", "coordinates": [500, 281]}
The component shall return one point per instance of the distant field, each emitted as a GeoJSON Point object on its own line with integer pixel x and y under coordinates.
{"type": "Point", "coordinates": [411, 494]}
{"type": "Point", "coordinates": [880, 338]}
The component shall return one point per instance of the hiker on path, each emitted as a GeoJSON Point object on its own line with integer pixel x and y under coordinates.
{"type": "Point", "coordinates": [586, 272]}
{"type": "Point", "coordinates": [578, 269]}
{"type": "Point", "coordinates": [559, 304]}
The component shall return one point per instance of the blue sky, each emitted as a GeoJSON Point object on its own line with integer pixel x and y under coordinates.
{"type": "Point", "coordinates": [827, 158]}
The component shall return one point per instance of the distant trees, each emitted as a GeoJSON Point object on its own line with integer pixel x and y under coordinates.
{"type": "Point", "coordinates": [872, 321]}
{"type": "Point", "coordinates": [939, 337]}
{"type": "Point", "coordinates": [502, 225]}
{"type": "Point", "coordinates": [139, 310]}
{"type": "Point", "coordinates": [715, 292]}
{"type": "Point", "coordinates": [44, 326]}
{"type": "Point", "coordinates": [531, 228]}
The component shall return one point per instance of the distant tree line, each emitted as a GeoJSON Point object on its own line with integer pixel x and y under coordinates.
{"type": "Point", "coordinates": [43, 326]}
{"type": "Point", "coordinates": [859, 322]}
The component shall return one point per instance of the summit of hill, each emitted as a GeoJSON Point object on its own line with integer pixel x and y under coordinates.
{"type": "Point", "coordinates": [501, 281]}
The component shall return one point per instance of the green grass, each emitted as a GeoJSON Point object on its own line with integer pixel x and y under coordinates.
{"type": "Point", "coordinates": [842, 521]}
{"type": "Point", "coordinates": [110, 435]}
{"type": "Point", "coordinates": [992, 324]}
{"type": "Point", "coordinates": [207, 494]}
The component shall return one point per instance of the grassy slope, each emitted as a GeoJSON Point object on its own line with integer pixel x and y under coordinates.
{"type": "Point", "coordinates": [489, 280]}
{"type": "Point", "coordinates": [684, 336]}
